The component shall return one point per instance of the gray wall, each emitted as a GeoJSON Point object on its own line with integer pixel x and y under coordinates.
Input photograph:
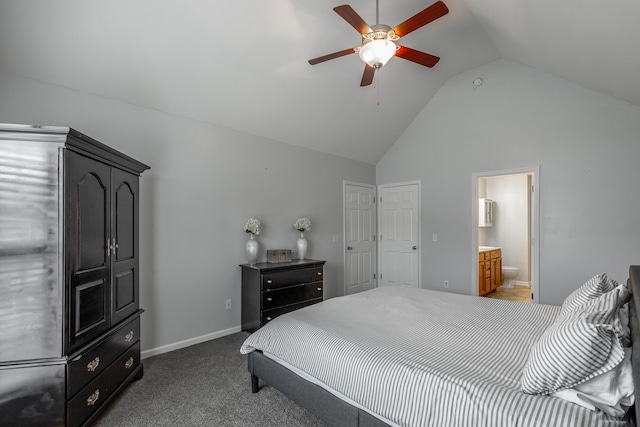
{"type": "Point", "coordinates": [586, 144]}
{"type": "Point", "coordinates": [205, 182]}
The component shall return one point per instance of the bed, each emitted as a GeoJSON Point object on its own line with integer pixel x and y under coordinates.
{"type": "Point", "coordinates": [380, 358]}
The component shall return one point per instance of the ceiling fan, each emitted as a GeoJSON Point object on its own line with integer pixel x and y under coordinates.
{"type": "Point", "coordinates": [378, 41]}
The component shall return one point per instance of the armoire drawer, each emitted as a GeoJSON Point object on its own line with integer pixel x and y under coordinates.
{"type": "Point", "coordinates": [291, 295]}
{"type": "Point", "coordinates": [280, 279]}
{"type": "Point", "coordinates": [92, 362]}
{"type": "Point", "coordinates": [269, 315]}
{"type": "Point", "coordinates": [94, 394]}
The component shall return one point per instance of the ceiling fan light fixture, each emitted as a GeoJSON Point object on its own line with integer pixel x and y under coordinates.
{"type": "Point", "coordinates": [377, 53]}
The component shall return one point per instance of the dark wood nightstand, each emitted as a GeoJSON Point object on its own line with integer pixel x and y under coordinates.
{"type": "Point", "coordinates": [272, 289]}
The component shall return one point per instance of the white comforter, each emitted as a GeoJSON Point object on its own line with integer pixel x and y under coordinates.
{"type": "Point", "coordinates": [415, 357]}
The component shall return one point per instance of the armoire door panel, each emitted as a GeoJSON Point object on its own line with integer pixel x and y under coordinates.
{"type": "Point", "coordinates": [90, 306]}
{"type": "Point", "coordinates": [92, 223]}
{"type": "Point", "coordinates": [125, 286]}
{"type": "Point", "coordinates": [124, 290]}
{"type": "Point", "coordinates": [88, 219]}
{"type": "Point", "coordinates": [125, 221]}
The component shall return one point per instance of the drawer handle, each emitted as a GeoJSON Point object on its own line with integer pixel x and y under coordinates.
{"type": "Point", "coordinates": [91, 400]}
{"type": "Point", "coordinates": [129, 363]}
{"type": "Point", "coordinates": [269, 299]}
{"type": "Point", "coordinates": [129, 336]}
{"type": "Point", "coordinates": [91, 366]}
{"type": "Point", "coordinates": [268, 318]}
{"type": "Point", "coordinates": [269, 281]}
{"type": "Point", "coordinates": [319, 289]}
{"type": "Point", "coordinates": [319, 273]}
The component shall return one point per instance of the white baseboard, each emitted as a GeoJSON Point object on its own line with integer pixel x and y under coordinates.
{"type": "Point", "coordinates": [186, 343]}
{"type": "Point", "coordinates": [521, 283]}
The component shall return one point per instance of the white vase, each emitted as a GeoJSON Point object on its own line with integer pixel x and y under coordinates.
{"type": "Point", "coordinates": [302, 246]}
{"type": "Point", "coordinates": [252, 250]}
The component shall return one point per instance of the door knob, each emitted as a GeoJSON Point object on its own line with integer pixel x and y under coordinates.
{"type": "Point", "coordinates": [415, 248]}
{"type": "Point", "coordinates": [349, 248]}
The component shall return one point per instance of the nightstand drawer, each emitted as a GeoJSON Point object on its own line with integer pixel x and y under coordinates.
{"type": "Point", "coordinates": [269, 315]}
{"type": "Point", "coordinates": [280, 279]}
{"type": "Point", "coordinates": [291, 295]}
{"type": "Point", "coordinates": [94, 394]}
{"type": "Point", "coordinates": [92, 362]}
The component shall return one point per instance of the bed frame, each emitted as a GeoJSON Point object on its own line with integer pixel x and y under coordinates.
{"type": "Point", "coordinates": [336, 412]}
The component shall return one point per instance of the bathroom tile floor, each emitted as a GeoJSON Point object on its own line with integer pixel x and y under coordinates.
{"type": "Point", "coordinates": [517, 293]}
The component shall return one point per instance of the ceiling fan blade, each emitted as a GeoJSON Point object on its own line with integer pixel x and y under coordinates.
{"type": "Point", "coordinates": [351, 16]}
{"type": "Point", "coordinates": [416, 56]}
{"type": "Point", "coordinates": [421, 19]}
{"type": "Point", "coordinates": [367, 76]}
{"type": "Point", "coordinates": [334, 55]}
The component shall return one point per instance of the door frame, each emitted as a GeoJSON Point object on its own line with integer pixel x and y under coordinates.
{"type": "Point", "coordinates": [344, 232]}
{"type": "Point", "coordinates": [535, 226]}
{"type": "Point", "coordinates": [418, 183]}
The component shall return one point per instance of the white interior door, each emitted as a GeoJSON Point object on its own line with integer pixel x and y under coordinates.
{"type": "Point", "coordinates": [360, 237]}
{"type": "Point", "coordinates": [400, 234]}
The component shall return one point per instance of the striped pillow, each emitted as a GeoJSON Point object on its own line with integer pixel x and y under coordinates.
{"type": "Point", "coordinates": [593, 288]}
{"type": "Point", "coordinates": [579, 345]}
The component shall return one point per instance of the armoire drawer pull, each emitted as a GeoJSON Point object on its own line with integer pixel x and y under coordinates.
{"type": "Point", "coordinates": [129, 336]}
{"type": "Point", "coordinates": [91, 400]}
{"type": "Point", "coordinates": [91, 366]}
{"type": "Point", "coordinates": [269, 299]}
{"type": "Point", "coordinates": [319, 273]}
{"type": "Point", "coordinates": [268, 318]}
{"type": "Point", "coordinates": [319, 289]}
{"type": "Point", "coordinates": [129, 363]}
{"type": "Point", "coordinates": [269, 281]}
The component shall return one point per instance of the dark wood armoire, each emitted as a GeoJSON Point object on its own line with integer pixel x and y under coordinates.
{"type": "Point", "coordinates": [69, 275]}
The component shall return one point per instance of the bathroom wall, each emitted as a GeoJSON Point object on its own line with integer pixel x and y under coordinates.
{"type": "Point", "coordinates": [511, 220]}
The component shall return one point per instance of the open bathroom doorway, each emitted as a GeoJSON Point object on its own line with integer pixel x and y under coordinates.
{"type": "Point", "coordinates": [505, 232]}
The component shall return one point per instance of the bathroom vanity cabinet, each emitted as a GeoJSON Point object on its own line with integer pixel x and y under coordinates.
{"type": "Point", "coordinates": [489, 270]}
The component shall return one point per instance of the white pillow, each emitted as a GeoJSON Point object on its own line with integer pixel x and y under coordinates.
{"type": "Point", "coordinates": [591, 289]}
{"type": "Point", "coordinates": [578, 346]}
{"type": "Point", "coordinates": [622, 326]}
{"type": "Point", "coordinates": [611, 392]}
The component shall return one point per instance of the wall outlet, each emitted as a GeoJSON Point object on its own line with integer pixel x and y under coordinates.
{"type": "Point", "coordinates": [336, 238]}
{"type": "Point", "coordinates": [228, 304]}
{"type": "Point", "coordinates": [446, 283]}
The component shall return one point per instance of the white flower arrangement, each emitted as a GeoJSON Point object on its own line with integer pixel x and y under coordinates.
{"type": "Point", "coordinates": [252, 226]}
{"type": "Point", "coordinates": [302, 224]}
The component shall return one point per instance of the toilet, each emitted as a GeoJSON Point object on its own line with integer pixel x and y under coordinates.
{"type": "Point", "coordinates": [508, 274]}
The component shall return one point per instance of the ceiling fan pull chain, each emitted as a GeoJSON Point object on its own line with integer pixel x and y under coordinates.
{"type": "Point", "coordinates": [375, 85]}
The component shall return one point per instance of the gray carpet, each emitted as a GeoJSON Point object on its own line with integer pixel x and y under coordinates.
{"type": "Point", "coordinates": [202, 385]}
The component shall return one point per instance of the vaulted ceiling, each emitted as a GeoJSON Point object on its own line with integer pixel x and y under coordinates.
{"type": "Point", "coordinates": [243, 64]}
